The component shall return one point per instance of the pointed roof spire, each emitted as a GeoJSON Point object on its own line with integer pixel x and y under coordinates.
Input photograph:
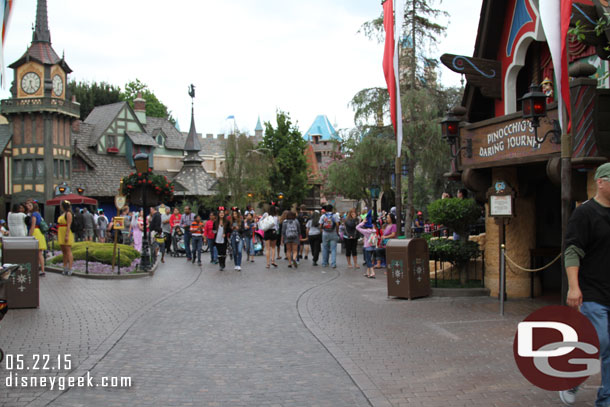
{"type": "Point", "coordinates": [259, 126]}
{"type": "Point", "coordinates": [192, 144]}
{"type": "Point", "coordinates": [41, 32]}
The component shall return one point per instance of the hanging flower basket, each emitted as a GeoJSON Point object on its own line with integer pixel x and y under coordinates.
{"type": "Point", "coordinates": [156, 187]}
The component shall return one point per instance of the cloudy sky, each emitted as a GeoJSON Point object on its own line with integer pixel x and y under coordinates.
{"type": "Point", "coordinates": [246, 57]}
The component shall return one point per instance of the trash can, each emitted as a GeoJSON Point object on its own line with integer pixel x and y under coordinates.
{"type": "Point", "coordinates": [408, 268]}
{"type": "Point", "coordinates": [22, 288]}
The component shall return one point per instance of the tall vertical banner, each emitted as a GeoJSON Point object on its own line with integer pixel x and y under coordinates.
{"type": "Point", "coordinates": [390, 65]}
{"type": "Point", "coordinates": [555, 18]}
{"type": "Point", "coordinates": [5, 11]}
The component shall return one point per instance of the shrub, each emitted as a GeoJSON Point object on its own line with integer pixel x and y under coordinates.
{"type": "Point", "coordinates": [456, 252]}
{"type": "Point", "coordinates": [100, 252]}
{"type": "Point", "coordinates": [455, 213]}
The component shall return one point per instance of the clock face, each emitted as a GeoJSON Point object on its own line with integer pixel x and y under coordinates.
{"type": "Point", "coordinates": [30, 83]}
{"type": "Point", "coordinates": [58, 85]}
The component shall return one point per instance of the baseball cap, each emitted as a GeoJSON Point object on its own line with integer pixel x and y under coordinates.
{"type": "Point", "coordinates": [603, 171]}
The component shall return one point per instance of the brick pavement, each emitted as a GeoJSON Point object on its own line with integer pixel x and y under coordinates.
{"type": "Point", "coordinates": [426, 352]}
{"type": "Point", "coordinates": [187, 337]}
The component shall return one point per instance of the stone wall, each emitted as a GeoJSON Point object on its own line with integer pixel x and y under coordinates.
{"type": "Point", "coordinates": [520, 239]}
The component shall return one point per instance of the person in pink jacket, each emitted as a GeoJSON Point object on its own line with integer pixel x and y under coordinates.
{"type": "Point", "coordinates": [367, 230]}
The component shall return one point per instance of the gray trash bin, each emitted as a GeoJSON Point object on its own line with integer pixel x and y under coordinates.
{"type": "Point", "coordinates": [22, 287]}
{"type": "Point", "coordinates": [408, 268]}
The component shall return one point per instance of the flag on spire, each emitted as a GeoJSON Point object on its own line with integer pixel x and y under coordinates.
{"type": "Point", "coordinates": [391, 66]}
{"type": "Point", "coordinates": [555, 16]}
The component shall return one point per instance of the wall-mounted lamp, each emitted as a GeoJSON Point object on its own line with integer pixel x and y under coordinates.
{"type": "Point", "coordinates": [533, 105]}
{"type": "Point", "coordinates": [450, 128]}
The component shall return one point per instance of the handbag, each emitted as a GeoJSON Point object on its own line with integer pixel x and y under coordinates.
{"type": "Point", "coordinates": [266, 223]}
{"type": "Point", "coordinates": [373, 239]}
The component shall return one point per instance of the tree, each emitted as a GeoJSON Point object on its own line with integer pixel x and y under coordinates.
{"type": "Point", "coordinates": [92, 94]}
{"type": "Point", "coordinates": [154, 107]}
{"type": "Point", "coordinates": [246, 171]}
{"type": "Point", "coordinates": [367, 160]}
{"type": "Point", "coordinates": [285, 148]}
{"type": "Point", "coordinates": [416, 72]}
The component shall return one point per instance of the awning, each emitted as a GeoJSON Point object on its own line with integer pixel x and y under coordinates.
{"type": "Point", "coordinates": [73, 199]}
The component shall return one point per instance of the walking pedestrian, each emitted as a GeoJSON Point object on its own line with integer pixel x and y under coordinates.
{"type": "Point", "coordinates": [222, 230]}
{"type": "Point", "coordinates": [350, 238]}
{"type": "Point", "coordinates": [329, 223]}
{"type": "Point", "coordinates": [196, 230]}
{"type": "Point", "coordinates": [367, 230]}
{"type": "Point", "coordinates": [389, 232]}
{"type": "Point", "coordinates": [587, 256]}
{"type": "Point", "coordinates": [314, 235]}
{"type": "Point", "coordinates": [185, 223]}
{"type": "Point", "coordinates": [137, 230]}
{"type": "Point", "coordinates": [126, 225]}
{"type": "Point", "coordinates": [249, 225]}
{"type": "Point", "coordinates": [210, 235]}
{"type": "Point", "coordinates": [291, 234]}
{"type": "Point", "coordinates": [65, 237]}
{"type": "Point", "coordinates": [174, 221]}
{"type": "Point", "coordinates": [237, 229]}
{"type": "Point", "coordinates": [303, 218]}
{"type": "Point", "coordinates": [270, 222]}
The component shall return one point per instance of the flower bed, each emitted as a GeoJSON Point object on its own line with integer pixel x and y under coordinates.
{"type": "Point", "coordinates": [101, 268]}
{"type": "Point", "coordinates": [99, 253]}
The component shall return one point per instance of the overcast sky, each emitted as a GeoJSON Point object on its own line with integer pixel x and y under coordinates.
{"type": "Point", "coordinates": [246, 57]}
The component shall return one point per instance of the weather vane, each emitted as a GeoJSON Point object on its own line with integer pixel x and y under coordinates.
{"type": "Point", "coordinates": [192, 93]}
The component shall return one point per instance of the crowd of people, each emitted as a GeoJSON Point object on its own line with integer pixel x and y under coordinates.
{"type": "Point", "coordinates": [225, 233]}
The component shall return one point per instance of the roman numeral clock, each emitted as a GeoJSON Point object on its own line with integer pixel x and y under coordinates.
{"type": "Point", "coordinates": [40, 116]}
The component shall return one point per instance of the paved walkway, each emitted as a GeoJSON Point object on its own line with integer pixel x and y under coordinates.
{"type": "Point", "coordinates": [279, 337]}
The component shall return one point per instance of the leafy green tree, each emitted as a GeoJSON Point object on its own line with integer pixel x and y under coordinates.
{"type": "Point", "coordinates": [154, 107]}
{"type": "Point", "coordinates": [92, 94]}
{"type": "Point", "coordinates": [246, 171]}
{"type": "Point", "coordinates": [367, 161]}
{"type": "Point", "coordinates": [285, 147]}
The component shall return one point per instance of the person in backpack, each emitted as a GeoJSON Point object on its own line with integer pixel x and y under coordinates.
{"type": "Point", "coordinates": [270, 236]}
{"type": "Point", "coordinates": [65, 236]}
{"type": "Point", "coordinates": [291, 234]}
{"type": "Point", "coordinates": [314, 235]}
{"type": "Point", "coordinates": [78, 225]}
{"type": "Point", "coordinates": [329, 223]}
{"type": "Point", "coordinates": [102, 225]}
{"type": "Point", "coordinates": [303, 218]}
{"type": "Point", "coordinates": [89, 222]}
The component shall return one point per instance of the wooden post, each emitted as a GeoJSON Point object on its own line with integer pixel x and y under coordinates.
{"type": "Point", "coordinates": [116, 235]}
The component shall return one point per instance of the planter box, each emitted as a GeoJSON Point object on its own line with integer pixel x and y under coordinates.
{"type": "Point", "coordinates": [137, 196]}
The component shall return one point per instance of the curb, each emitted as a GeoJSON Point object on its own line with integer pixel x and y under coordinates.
{"type": "Point", "coordinates": [370, 391]}
{"type": "Point", "coordinates": [129, 276]}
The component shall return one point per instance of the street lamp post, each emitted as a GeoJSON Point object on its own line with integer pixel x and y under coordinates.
{"type": "Point", "coordinates": [374, 195]}
{"type": "Point", "coordinates": [141, 162]}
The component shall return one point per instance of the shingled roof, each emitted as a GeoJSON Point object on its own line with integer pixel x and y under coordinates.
{"type": "Point", "coordinates": [141, 139]}
{"type": "Point", "coordinates": [174, 139]}
{"type": "Point", "coordinates": [104, 179]}
{"type": "Point", "coordinates": [100, 118]}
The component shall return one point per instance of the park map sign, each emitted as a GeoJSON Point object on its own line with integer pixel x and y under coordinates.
{"type": "Point", "coordinates": [507, 140]}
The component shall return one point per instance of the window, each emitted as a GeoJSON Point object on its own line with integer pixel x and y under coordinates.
{"type": "Point", "coordinates": [56, 168]}
{"type": "Point", "coordinates": [110, 141]}
{"type": "Point", "coordinates": [62, 168]}
{"type": "Point", "coordinates": [18, 168]}
{"type": "Point", "coordinates": [160, 140]}
{"type": "Point", "coordinates": [319, 157]}
{"type": "Point", "coordinates": [67, 169]}
{"type": "Point", "coordinates": [316, 139]}
{"type": "Point", "coordinates": [79, 165]}
{"type": "Point", "coordinates": [39, 168]}
{"type": "Point", "coordinates": [29, 168]}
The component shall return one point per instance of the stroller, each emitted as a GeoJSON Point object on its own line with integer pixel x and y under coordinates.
{"type": "Point", "coordinates": [178, 248]}
{"type": "Point", "coordinates": [259, 243]}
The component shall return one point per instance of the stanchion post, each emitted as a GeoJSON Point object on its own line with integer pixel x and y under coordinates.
{"type": "Point", "coordinates": [119, 261]}
{"type": "Point", "coordinates": [502, 277]}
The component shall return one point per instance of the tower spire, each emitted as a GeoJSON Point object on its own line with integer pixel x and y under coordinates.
{"type": "Point", "coordinates": [41, 32]}
{"type": "Point", "coordinates": [192, 145]}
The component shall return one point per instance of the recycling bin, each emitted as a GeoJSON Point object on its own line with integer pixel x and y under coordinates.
{"type": "Point", "coordinates": [21, 289]}
{"type": "Point", "coordinates": [408, 268]}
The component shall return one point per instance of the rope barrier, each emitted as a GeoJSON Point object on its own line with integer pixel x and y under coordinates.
{"type": "Point", "coordinates": [512, 262]}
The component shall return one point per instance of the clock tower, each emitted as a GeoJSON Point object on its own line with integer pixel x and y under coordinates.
{"type": "Point", "coordinates": [40, 116]}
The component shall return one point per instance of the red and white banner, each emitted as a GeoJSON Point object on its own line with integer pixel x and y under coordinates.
{"type": "Point", "coordinates": [555, 18]}
{"type": "Point", "coordinates": [391, 66]}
